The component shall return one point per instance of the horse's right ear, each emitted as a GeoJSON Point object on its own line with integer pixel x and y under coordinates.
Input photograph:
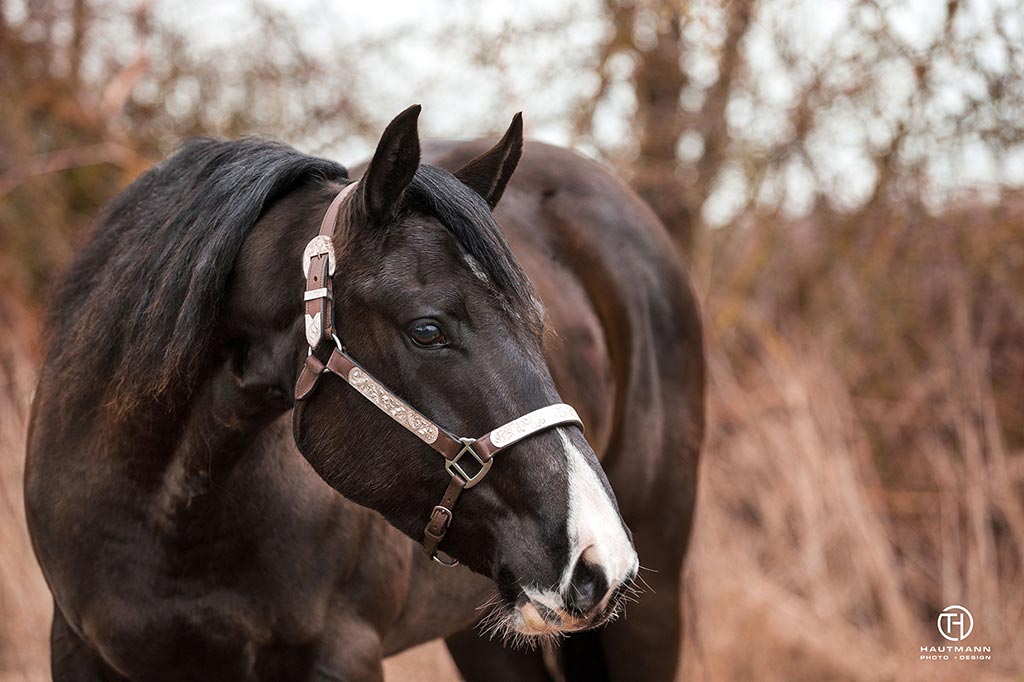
{"type": "Point", "coordinates": [392, 167]}
{"type": "Point", "coordinates": [488, 173]}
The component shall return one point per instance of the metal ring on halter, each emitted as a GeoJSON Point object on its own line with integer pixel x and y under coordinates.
{"type": "Point", "coordinates": [447, 561]}
{"type": "Point", "coordinates": [455, 470]}
{"type": "Point", "coordinates": [337, 342]}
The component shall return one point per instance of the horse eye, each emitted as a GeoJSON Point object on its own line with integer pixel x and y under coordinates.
{"type": "Point", "coordinates": [426, 333]}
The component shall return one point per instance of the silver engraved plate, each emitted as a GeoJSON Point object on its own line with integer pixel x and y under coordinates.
{"type": "Point", "coordinates": [531, 423]}
{"type": "Point", "coordinates": [424, 429]}
{"type": "Point", "coordinates": [314, 325]}
{"type": "Point", "coordinates": [318, 246]}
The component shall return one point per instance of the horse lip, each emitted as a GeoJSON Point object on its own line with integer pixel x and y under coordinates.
{"type": "Point", "coordinates": [538, 619]}
{"type": "Point", "coordinates": [533, 619]}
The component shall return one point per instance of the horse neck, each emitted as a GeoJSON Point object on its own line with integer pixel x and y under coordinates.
{"type": "Point", "coordinates": [263, 307]}
{"type": "Point", "coordinates": [200, 443]}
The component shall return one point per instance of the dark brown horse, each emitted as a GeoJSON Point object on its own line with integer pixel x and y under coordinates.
{"type": "Point", "coordinates": [184, 537]}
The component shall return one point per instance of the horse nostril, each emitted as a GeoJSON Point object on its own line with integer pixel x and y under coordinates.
{"type": "Point", "coordinates": [587, 588]}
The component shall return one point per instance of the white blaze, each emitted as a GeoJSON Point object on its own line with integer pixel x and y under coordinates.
{"type": "Point", "coordinates": [594, 525]}
{"type": "Point", "coordinates": [478, 271]}
{"type": "Point", "coordinates": [595, 531]}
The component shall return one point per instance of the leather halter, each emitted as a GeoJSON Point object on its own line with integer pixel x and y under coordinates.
{"type": "Point", "coordinates": [318, 263]}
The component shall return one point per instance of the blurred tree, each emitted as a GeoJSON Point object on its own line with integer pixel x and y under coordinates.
{"type": "Point", "coordinates": [843, 108]}
{"type": "Point", "coordinates": [92, 93]}
{"type": "Point", "coordinates": [652, 35]}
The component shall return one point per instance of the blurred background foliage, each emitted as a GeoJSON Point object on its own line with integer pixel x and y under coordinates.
{"type": "Point", "coordinates": [844, 177]}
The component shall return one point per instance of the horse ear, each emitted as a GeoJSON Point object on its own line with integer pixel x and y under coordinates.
{"type": "Point", "coordinates": [392, 167]}
{"type": "Point", "coordinates": [488, 173]}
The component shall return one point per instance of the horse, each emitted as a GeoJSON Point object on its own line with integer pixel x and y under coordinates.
{"type": "Point", "coordinates": [261, 374]}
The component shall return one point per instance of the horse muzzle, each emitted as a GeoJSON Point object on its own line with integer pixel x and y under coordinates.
{"type": "Point", "coordinates": [589, 601]}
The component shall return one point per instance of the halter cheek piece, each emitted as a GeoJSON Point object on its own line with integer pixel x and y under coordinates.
{"type": "Point", "coordinates": [318, 264]}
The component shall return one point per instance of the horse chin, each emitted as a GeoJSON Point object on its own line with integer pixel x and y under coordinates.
{"type": "Point", "coordinates": [523, 624]}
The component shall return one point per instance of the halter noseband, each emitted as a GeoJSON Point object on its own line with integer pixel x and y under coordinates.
{"type": "Point", "coordinates": [318, 264]}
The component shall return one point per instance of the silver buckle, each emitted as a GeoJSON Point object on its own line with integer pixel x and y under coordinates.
{"type": "Point", "coordinates": [453, 468]}
{"type": "Point", "coordinates": [320, 245]}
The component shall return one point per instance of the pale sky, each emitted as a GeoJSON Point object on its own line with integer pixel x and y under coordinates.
{"type": "Point", "coordinates": [468, 90]}
{"type": "Point", "coordinates": [464, 94]}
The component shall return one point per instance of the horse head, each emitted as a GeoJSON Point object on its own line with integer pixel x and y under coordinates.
{"type": "Point", "coordinates": [430, 300]}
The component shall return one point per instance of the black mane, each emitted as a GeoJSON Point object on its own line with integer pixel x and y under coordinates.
{"type": "Point", "coordinates": [136, 309]}
{"type": "Point", "coordinates": [134, 314]}
{"type": "Point", "coordinates": [468, 218]}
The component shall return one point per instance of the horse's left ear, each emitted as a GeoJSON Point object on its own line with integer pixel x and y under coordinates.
{"type": "Point", "coordinates": [488, 173]}
{"type": "Point", "coordinates": [392, 167]}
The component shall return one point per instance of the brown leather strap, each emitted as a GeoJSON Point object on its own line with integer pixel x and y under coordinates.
{"type": "Point", "coordinates": [308, 376]}
{"type": "Point", "coordinates": [343, 365]}
{"type": "Point", "coordinates": [319, 262]}
{"type": "Point", "coordinates": [441, 517]}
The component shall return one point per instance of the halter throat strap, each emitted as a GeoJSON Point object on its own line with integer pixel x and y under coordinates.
{"type": "Point", "coordinates": [466, 460]}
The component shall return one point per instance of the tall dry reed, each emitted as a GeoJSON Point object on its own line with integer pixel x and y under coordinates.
{"type": "Point", "coordinates": [24, 600]}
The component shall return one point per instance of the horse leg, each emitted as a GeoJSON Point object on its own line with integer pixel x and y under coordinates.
{"type": "Point", "coordinates": [70, 659]}
{"type": "Point", "coordinates": [485, 660]}
{"type": "Point", "coordinates": [645, 643]}
{"type": "Point", "coordinates": [642, 645]}
{"type": "Point", "coordinates": [349, 651]}
{"type": "Point", "coordinates": [583, 657]}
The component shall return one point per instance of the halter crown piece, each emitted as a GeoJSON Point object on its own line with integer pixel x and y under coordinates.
{"type": "Point", "coordinates": [318, 265]}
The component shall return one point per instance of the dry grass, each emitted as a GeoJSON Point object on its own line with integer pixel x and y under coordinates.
{"type": "Point", "coordinates": [24, 600]}
{"type": "Point", "coordinates": [863, 469]}
{"type": "Point", "coordinates": [865, 461]}
{"type": "Point", "coordinates": [797, 571]}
